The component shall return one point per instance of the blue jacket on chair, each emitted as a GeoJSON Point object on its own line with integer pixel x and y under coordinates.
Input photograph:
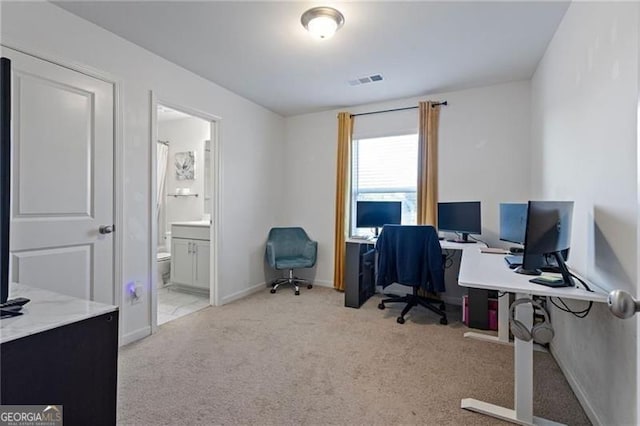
{"type": "Point", "coordinates": [410, 255]}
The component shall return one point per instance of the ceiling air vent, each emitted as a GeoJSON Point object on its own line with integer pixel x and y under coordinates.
{"type": "Point", "coordinates": [365, 80]}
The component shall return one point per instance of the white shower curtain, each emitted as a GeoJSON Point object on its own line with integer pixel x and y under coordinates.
{"type": "Point", "coordinates": [161, 165]}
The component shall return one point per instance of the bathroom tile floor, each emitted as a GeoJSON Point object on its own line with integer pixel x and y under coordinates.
{"type": "Point", "coordinates": [173, 303]}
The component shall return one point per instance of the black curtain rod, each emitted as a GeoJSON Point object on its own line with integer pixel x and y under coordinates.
{"type": "Point", "coordinates": [398, 109]}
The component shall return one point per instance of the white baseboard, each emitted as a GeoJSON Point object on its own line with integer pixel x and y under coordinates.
{"type": "Point", "coordinates": [323, 283]}
{"type": "Point", "coordinates": [243, 293]}
{"type": "Point", "coordinates": [577, 389]}
{"type": "Point", "coordinates": [135, 335]}
{"type": "Point", "coordinates": [256, 288]}
{"type": "Point", "coordinates": [189, 289]}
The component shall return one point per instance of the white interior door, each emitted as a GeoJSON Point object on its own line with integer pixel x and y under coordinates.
{"type": "Point", "coordinates": [62, 179]}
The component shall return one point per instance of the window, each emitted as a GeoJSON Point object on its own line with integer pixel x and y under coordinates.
{"type": "Point", "coordinates": [385, 169]}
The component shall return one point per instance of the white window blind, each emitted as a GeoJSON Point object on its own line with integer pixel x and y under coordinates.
{"type": "Point", "coordinates": [387, 164]}
{"type": "Point", "coordinates": [385, 169]}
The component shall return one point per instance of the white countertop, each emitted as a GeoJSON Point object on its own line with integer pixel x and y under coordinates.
{"type": "Point", "coordinates": [47, 310]}
{"type": "Point", "coordinates": [360, 241]}
{"type": "Point", "coordinates": [201, 223]}
{"type": "Point", "coordinates": [452, 245]}
{"type": "Point", "coordinates": [490, 271]}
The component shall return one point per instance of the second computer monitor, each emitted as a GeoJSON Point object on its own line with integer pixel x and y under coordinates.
{"type": "Point", "coordinates": [513, 222]}
{"type": "Point", "coordinates": [376, 214]}
{"type": "Point", "coordinates": [461, 217]}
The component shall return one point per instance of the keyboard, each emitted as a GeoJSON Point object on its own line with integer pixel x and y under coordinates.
{"type": "Point", "coordinates": [493, 250]}
{"type": "Point", "coordinates": [513, 261]}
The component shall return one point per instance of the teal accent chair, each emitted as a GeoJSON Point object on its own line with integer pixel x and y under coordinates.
{"type": "Point", "coordinates": [289, 249]}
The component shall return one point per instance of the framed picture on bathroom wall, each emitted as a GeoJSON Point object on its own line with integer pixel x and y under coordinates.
{"type": "Point", "coordinates": [185, 165]}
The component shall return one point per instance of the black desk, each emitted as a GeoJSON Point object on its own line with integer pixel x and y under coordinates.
{"type": "Point", "coordinates": [360, 272]}
{"type": "Point", "coordinates": [62, 351]}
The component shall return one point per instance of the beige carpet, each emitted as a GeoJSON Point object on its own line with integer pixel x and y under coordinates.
{"type": "Point", "coordinates": [281, 359]}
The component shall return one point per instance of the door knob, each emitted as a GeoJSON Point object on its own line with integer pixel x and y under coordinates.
{"type": "Point", "coordinates": [106, 229]}
{"type": "Point", "coordinates": [622, 304]}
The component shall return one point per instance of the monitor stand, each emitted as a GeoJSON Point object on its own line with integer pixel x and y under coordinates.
{"type": "Point", "coordinates": [521, 270]}
{"type": "Point", "coordinates": [464, 240]}
{"type": "Point", "coordinates": [566, 281]}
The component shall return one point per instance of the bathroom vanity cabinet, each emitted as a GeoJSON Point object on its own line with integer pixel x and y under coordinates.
{"type": "Point", "coordinates": [190, 254]}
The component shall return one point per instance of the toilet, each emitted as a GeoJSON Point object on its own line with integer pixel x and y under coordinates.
{"type": "Point", "coordinates": [164, 260]}
{"type": "Point", "coordinates": [164, 268]}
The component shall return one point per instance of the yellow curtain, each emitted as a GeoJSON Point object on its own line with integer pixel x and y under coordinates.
{"type": "Point", "coordinates": [428, 164]}
{"type": "Point", "coordinates": [345, 130]}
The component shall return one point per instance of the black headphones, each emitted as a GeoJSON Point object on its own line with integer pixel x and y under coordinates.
{"type": "Point", "coordinates": [541, 333]}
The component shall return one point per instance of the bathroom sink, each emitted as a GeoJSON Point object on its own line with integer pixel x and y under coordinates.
{"type": "Point", "coordinates": [196, 229]}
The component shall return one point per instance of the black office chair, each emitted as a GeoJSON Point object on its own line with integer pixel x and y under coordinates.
{"type": "Point", "coordinates": [411, 256]}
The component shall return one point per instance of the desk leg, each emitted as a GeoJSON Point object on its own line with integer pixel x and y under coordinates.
{"type": "Point", "coordinates": [502, 413]}
{"type": "Point", "coordinates": [503, 318]}
{"type": "Point", "coordinates": [523, 366]}
{"type": "Point", "coordinates": [523, 382]}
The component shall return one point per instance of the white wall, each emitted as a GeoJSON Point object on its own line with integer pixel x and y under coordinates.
{"type": "Point", "coordinates": [250, 136]}
{"type": "Point", "coordinates": [183, 135]}
{"type": "Point", "coordinates": [479, 126]}
{"type": "Point", "coordinates": [584, 104]}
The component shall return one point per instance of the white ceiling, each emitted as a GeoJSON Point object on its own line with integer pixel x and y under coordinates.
{"type": "Point", "coordinates": [260, 50]}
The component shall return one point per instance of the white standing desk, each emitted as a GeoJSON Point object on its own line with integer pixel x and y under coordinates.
{"type": "Point", "coordinates": [446, 245]}
{"type": "Point", "coordinates": [489, 271]}
{"type": "Point", "coordinates": [450, 245]}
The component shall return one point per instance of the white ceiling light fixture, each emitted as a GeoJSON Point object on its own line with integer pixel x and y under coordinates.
{"type": "Point", "coordinates": [322, 22]}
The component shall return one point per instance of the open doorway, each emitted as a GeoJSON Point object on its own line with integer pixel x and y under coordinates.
{"type": "Point", "coordinates": [184, 153]}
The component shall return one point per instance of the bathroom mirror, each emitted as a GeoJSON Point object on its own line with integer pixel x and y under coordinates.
{"type": "Point", "coordinates": [185, 165]}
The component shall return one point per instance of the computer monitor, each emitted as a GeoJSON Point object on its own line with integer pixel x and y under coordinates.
{"type": "Point", "coordinates": [376, 214]}
{"type": "Point", "coordinates": [548, 233]}
{"type": "Point", "coordinates": [513, 222]}
{"type": "Point", "coordinates": [461, 217]}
